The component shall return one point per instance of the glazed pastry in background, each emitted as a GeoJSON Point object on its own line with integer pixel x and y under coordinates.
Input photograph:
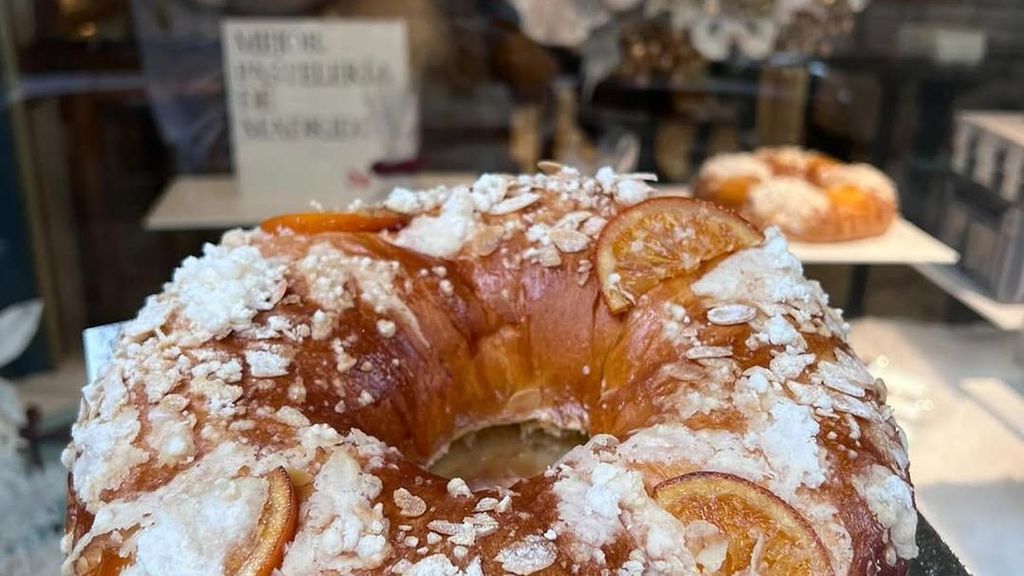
{"type": "Point", "coordinates": [810, 196]}
{"type": "Point", "coordinates": [275, 408]}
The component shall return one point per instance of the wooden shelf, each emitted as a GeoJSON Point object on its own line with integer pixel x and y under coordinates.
{"type": "Point", "coordinates": [958, 285]}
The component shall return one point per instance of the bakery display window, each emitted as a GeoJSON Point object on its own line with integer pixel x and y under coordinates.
{"type": "Point", "coordinates": [559, 286]}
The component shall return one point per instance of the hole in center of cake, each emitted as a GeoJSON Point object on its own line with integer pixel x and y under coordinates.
{"type": "Point", "coordinates": [502, 455]}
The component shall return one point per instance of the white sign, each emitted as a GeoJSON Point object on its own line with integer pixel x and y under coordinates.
{"type": "Point", "coordinates": [314, 103]}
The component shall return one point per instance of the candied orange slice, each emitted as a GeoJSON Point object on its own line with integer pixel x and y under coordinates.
{"type": "Point", "coordinates": [762, 533]}
{"type": "Point", "coordinates": [275, 529]}
{"type": "Point", "coordinates": [315, 222]}
{"type": "Point", "coordinates": [664, 238]}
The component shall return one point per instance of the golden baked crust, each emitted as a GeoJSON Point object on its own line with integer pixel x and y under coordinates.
{"type": "Point", "coordinates": [810, 196]}
{"type": "Point", "coordinates": [350, 359]}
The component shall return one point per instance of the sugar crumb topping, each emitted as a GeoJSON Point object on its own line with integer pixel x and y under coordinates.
{"type": "Point", "coordinates": [891, 501]}
{"type": "Point", "coordinates": [530, 554]}
{"type": "Point", "coordinates": [175, 541]}
{"type": "Point", "coordinates": [224, 288]}
{"type": "Point", "coordinates": [266, 364]}
{"type": "Point", "coordinates": [600, 496]}
{"type": "Point", "coordinates": [447, 219]}
{"type": "Point", "coordinates": [457, 488]}
{"type": "Point", "coordinates": [341, 527]}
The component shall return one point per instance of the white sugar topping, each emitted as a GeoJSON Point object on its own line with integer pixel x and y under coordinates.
{"type": "Point", "coordinates": [488, 190]}
{"type": "Point", "coordinates": [170, 431]}
{"type": "Point", "coordinates": [438, 565]}
{"type": "Point", "coordinates": [772, 277]}
{"type": "Point", "coordinates": [787, 202]}
{"type": "Point", "coordinates": [599, 488]}
{"type": "Point", "coordinates": [443, 235]}
{"type": "Point", "coordinates": [708, 544]}
{"type": "Point", "coordinates": [334, 278]}
{"type": "Point", "coordinates": [791, 448]}
{"type": "Point", "coordinates": [792, 157]}
{"type": "Point", "coordinates": [408, 503]}
{"type": "Point", "coordinates": [591, 498]}
{"type": "Point", "coordinates": [152, 316]}
{"type": "Point", "coordinates": [846, 375]}
{"type": "Point", "coordinates": [457, 488]}
{"type": "Point", "coordinates": [321, 326]}
{"type": "Point", "coordinates": [600, 500]}
{"type": "Point", "coordinates": [326, 271]}
{"type": "Point", "coordinates": [446, 219]}
{"type": "Point", "coordinates": [104, 454]}
{"type": "Point", "coordinates": [340, 526]}
{"type": "Point", "coordinates": [266, 364]}
{"type": "Point", "coordinates": [737, 165]}
{"type": "Point", "coordinates": [222, 290]}
{"type": "Point", "coordinates": [192, 534]}
{"type": "Point", "coordinates": [531, 554]}
{"type": "Point", "coordinates": [222, 463]}
{"type": "Point", "coordinates": [890, 499]}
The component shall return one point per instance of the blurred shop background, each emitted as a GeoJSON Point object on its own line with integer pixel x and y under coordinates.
{"type": "Point", "coordinates": [116, 163]}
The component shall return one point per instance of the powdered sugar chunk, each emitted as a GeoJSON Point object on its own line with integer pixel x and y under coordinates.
{"type": "Point", "coordinates": [790, 445]}
{"type": "Point", "coordinates": [531, 554]}
{"type": "Point", "coordinates": [770, 277]}
{"type": "Point", "coordinates": [788, 365]}
{"type": "Point", "coordinates": [433, 565]}
{"type": "Point", "coordinates": [152, 316]}
{"type": "Point", "coordinates": [627, 189]}
{"type": "Point", "coordinates": [442, 235]}
{"type": "Point", "coordinates": [334, 278]}
{"type": "Point", "coordinates": [266, 364]}
{"type": "Point", "coordinates": [409, 504]}
{"type": "Point", "coordinates": [340, 526]}
{"type": "Point", "coordinates": [224, 288]}
{"type": "Point", "coordinates": [488, 190]}
{"type": "Point", "coordinates": [170, 430]}
{"type": "Point", "coordinates": [105, 453]}
{"type": "Point", "coordinates": [193, 534]}
{"type": "Point", "coordinates": [698, 352]}
{"type": "Point", "coordinates": [598, 498]}
{"type": "Point", "coordinates": [891, 501]}
{"type": "Point", "coordinates": [457, 488]}
{"type": "Point", "coordinates": [322, 324]}
{"type": "Point", "coordinates": [327, 276]}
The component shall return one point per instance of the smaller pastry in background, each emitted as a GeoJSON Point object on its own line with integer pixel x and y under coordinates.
{"type": "Point", "coordinates": [812, 197]}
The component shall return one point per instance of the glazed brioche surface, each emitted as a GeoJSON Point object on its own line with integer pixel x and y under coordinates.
{"type": "Point", "coordinates": [810, 196]}
{"type": "Point", "coordinates": [731, 427]}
